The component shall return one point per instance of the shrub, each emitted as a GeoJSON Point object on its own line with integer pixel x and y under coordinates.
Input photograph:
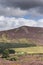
{"type": "Point", "coordinates": [1, 51]}
{"type": "Point", "coordinates": [5, 53]}
{"type": "Point", "coordinates": [11, 51]}
{"type": "Point", "coordinates": [14, 58]}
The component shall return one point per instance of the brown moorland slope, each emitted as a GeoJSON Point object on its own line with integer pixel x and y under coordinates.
{"type": "Point", "coordinates": [23, 34]}
{"type": "Point", "coordinates": [6, 62]}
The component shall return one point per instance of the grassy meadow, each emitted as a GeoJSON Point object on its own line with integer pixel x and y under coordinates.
{"type": "Point", "coordinates": [30, 50]}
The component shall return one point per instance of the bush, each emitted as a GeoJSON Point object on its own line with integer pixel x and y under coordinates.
{"type": "Point", "coordinates": [11, 51]}
{"type": "Point", "coordinates": [5, 53]}
{"type": "Point", "coordinates": [14, 58]}
{"type": "Point", "coordinates": [1, 51]}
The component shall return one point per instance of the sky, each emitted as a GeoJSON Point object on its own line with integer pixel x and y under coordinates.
{"type": "Point", "coordinates": [16, 13]}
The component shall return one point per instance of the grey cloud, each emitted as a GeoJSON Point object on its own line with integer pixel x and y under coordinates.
{"type": "Point", "coordinates": [10, 11]}
{"type": "Point", "coordinates": [40, 9]}
{"type": "Point", "coordinates": [23, 4]}
{"type": "Point", "coordinates": [21, 7]}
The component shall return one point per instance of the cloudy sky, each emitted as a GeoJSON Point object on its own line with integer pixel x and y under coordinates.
{"type": "Point", "coordinates": [16, 13]}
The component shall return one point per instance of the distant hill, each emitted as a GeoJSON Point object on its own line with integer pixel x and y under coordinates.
{"type": "Point", "coordinates": [23, 34]}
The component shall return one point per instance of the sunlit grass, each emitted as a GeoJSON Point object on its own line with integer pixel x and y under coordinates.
{"type": "Point", "coordinates": [37, 49]}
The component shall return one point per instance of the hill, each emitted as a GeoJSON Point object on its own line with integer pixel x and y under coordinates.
{"type": "Point", "coordinates": [23, 34]}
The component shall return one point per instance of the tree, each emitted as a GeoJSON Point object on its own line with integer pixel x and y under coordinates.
{"type": "Point", "coordinates": [5, 53]}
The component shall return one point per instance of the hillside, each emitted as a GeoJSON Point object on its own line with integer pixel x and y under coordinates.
{"type": "Point", "coordinates": [23, 34]}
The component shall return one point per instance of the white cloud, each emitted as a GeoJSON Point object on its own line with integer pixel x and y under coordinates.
{"type": "Point", "coordinates": [7, 23]}
{"type": "Point", "coordinates": [40, 23]}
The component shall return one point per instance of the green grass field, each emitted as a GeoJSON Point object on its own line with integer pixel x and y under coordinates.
{"type": "Point", "coordinates": [30, 50]}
